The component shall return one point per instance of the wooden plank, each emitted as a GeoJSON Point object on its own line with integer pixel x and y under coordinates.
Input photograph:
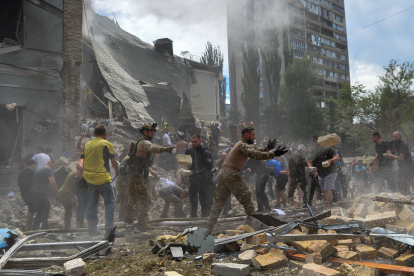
{"type": "Point", "coordinates": [394, 269]}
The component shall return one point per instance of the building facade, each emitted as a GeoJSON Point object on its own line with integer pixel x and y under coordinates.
{"type": "Point", "coordinates": [316, 28]}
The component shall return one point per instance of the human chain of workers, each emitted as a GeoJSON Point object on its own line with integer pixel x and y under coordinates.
{"type": "Point", "coordinates": [207, 186]}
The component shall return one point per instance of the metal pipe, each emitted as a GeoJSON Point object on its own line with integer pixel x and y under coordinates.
{"type": "Point", "coordinates": [57, 245]}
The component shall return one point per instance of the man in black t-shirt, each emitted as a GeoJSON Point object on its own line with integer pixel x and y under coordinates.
{"type": "Point", "coordinates": [215, 132]}
{"type": "Point", "coordinates": [326, 174]}
{"type": "Point", "coordinates": [401, 153]}
{"type": "Point", "coordinates": [384, 175]}
{"type": "Point", "coordinates": [25, 184]}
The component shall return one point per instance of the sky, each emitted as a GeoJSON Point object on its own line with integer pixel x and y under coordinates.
{"type": "Point", "coordinates": [191, 23]}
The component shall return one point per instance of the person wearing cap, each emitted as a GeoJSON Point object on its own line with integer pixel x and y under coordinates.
{"type": "Point", "coordinates": [174, 195]}
{"type": "Point", "coordinates": [297, 174]}
{"type": "Point", "coordinates": [137, 170]}
{"type": "Point", "coordinates": [25, 184]}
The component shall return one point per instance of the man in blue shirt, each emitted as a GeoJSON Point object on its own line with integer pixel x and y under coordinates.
{"type": "Point", "coordinates": [281, 177]}
{"type": "Point", "coordinates": [360, 173]}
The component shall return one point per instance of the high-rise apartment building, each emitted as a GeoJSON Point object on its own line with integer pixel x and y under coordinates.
{"type": "Point", "coordinates": [315, 27]}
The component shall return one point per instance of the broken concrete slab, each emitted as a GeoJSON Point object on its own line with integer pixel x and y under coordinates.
{"type": "Point", "coordinates": [208, 257]}
{"type": "Point", "coordinates": [207, 245]}
{"type": "Point", "coordinates": [314, 258]}
{"type": "Point", "coordinates": [388, 253]}
{"type": "Point", "coordinates": [300, 245]}
{"type": "Point", "coordinates": [246, 246]}
{"type": "Point", "coordinates": [258, 239]}
{"type": "Point", "coordinates": [325, 248]}
{"type": "Point", "coordinates": [177, 252]}
{"type": "Point", "coordinates": [229, 269]}
{"type": "Point", "coordinates": [76, 267]}
{"type": "Point", "coordinates": [318, 270]}
{"type": "Point", "coordinates": [381, 219]}
{"type": "Point", "coordinates": [366, 252]}
{"type": "Point", "coordinates": [361, 210]}
{"type": "Point", "coordinates": [406, 213]}
{"type": "Point", "coordinates": [349, 255]}
{"type": "Point", "coordinates": [263, 251]}
{"type": "Point", "coordinates": [247, 257]}
{"type": "Point", "coordinates": [269, 260]}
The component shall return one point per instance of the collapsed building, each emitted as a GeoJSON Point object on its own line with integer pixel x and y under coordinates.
{"type": "Point", "coordinates": [62, 64]}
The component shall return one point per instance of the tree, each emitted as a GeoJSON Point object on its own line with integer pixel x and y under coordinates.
{"type": "Point", "coordinates": [233, 115]}
{"type": "Point", "coordinates": [251, 78]}
{"type": "Point", "coordinates": [301, 118]}
{"type": "Point", "coordinates": [213, 56]}
{"type": "Point", "coordinates": [273, 66]}
{"type": "Point", "coordinates": [287, 54]}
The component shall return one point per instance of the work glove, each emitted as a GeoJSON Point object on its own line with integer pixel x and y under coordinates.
{"type": "Point", "coordinates": [280, 151]}
{"type": "Point", "coordinates": [271, 144]}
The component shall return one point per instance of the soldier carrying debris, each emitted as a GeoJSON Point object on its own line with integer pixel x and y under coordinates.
{"type": "Point", "coordinates": [141, 155]}
{"type": "Point", "coordinates": [230, 179]}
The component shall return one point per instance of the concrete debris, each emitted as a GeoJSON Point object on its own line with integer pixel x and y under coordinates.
{"type": "Point", "coordinates": [318, 270]}
{"type": "Point", "coordinates": [229, 269]}
{"type": "Point", "coordinates": [247, 257]}
{"type": "Point", "coordinates": [76, 267]}
{"type": "Point", "coordinates": [208, 257]}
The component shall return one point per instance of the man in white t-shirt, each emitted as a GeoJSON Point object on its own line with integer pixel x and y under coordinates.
{"type": "Point", "coordinates": [167, 143]}
{"type": "Point", "coordinates": [41, 157]}
{"type": "Point", "coordinates": [112, 170]}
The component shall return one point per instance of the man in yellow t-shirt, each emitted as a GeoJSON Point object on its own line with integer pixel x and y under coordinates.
{"type": "Point", "coordinates": [96, 156]}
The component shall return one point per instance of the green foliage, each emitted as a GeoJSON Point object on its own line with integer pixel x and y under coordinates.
{"type": "Point", "coordinates": [301, 118]}
{"type": "Point", "coordinates": [251, 79]}
{"type": "Point", "coordinates": [273, 66]}
{"type": "Point", "coordinates": [214, 57]}
{"type": "Point", "coordinates": [287, 54]}
{"type": "Point", "coordinates": [233, 115]}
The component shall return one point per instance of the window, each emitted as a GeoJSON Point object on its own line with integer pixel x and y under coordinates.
{"type": "Point", "coordinates": [326, 14]}
{"type": "Point", "coordinates": [261, 105]}
{"type": "Point", "coordinates": [259, 71]}
{"type": "Point", "coordinates": [322, 104]}
{"type": "Point", "coordinates": [326, 3]}
{"type": "Point", "coordinates": [312, 8]}
{"type": "Point", "coordinates": [261, 95]}
{"type": "Point", "coordinates": [339, 28]}
{"type": "Point", "coordinates": [347, 77]}
{"type": "Point", "coordinates": [261, 82]}
{"type": "Point", "coordinates": [256, 17]}
{"type": "Point", "coordinates": [340, 37]}
{"type": "Point", "coordinates": [327, 42]}
{"type": "Point", "coordinates": [319, 71]}
{"type": "Point", "coordinates": [260, 59]}
{"type": "Point", "coordinates": [338, 18]}
{"type": "Point", "coordinates": [256, 6]}
{"type": "Point", "coordinates": [318, 60]}
{"type": "Point", "coordinates": [298, 45]}
{"type": "Point", "coordinates": [297, 54]}
{"type": "Point", "coordinates": [343, 57]}
{"type": "Point", "coordinates": [338, 8]}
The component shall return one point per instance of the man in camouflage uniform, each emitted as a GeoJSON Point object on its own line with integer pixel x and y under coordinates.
{"type": "Point", "coordinates": [140, 155]}
{"type": "Point", "coordinates": [297, 170]}
{"type": "Point", "coordinates": [230, 179]}
{"type": "Point", "coordinates": [123, 192]}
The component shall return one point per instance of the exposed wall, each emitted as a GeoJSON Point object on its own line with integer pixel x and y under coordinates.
{"type": "Point", "coordinates": [205, 101]}
{"type": "Point", "coordinates": [71, 71]}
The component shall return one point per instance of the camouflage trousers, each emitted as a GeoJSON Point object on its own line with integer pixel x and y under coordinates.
{"type": "Point", "coordinates": [296, 180]}
{"type": "Point", "coordinates": [123, 193]}
{"type": "Point", "coordinates": [137, 188]}
{"type": "Point", "coordinates": [69, 203]}
{"type": "Point", "coordinates": [230, 182]}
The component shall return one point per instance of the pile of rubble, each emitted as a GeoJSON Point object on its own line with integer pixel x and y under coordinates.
{"type": "Point", "coordinates": [368, 238]}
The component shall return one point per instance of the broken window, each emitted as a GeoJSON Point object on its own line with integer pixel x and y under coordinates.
{"type": "Point", "coordinates": [10, 19]}
{"type": "Point", "coordinates": [338, 8]}
{"type": "Point", "coordinates": [298, 45]}
{"type": "Point", "coordinates": [11, 134]}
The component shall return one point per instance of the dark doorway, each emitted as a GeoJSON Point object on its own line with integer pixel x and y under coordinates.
{"type": "Point", "coordinates": [10, 17]}
{"type": "Point", "coordinates": [10, 121]}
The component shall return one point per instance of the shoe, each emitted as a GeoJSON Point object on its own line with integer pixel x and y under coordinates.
{"type": "Point", "coordinates": [95, 233]}
{"type": "Point", "coordinates": [277, 205]}
{"type": "Point", "coordinates": [144, 226]}
{"type": "Point", "coordinates": [305, 206]}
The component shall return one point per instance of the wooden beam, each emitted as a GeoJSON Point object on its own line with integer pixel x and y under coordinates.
{"type": "Point", "coordinates": [47, 7]}
{"type": "Point", "coordinates": [393, 269]}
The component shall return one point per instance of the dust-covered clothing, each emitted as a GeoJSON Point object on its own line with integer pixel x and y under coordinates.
{"type": "Point", "coordinates": [96, 155]}
{"type": "Point", "coordinates": [297, 175]}
{"type": "Point", "coordinates": [170, 194]}
{"type": "Point", "coordinates": [230, 181]}
{"type": "Point", "coordinates": [322, 154]}
{"type": "Point", "coordinates": [40, 180]}
{"type": "Point", "coordinates": [239, 154]}
{"type": "Point", "coordinates": [25, 184]}
{"type": "Point", "coordinates": [41, 159]}
{"type": "Point", "coordinates": [67, 197]}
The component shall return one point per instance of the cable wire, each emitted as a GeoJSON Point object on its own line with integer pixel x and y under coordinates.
{"type": "Point", "coordinates": [381, 20]}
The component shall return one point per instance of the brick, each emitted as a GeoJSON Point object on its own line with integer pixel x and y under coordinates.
{"type": "Point", "coordinates": [246, 246]}
{"type": "Point", "coordinates": [262, 251]}
{"type": "Point", "coordinates": [350, 211]}
{"type": "Point", "coordinates": [233, 246]}
{"type": "Point", "coordinates": [294, 232]}
{"type": "Point", "coordinates": [378, 205]}
{"type": "Point", "coordinates": [336, 220]}
{"type": "Point", "coordinates": [229, 269]}
{"type": "Point", "coordinates": [366, 252]}
{"type": "Point", "coordinates": [361, 210]}
{"type": "Point", "coordinates": [247, 257]}
{"type": "Point", "coordinates": [333, 242]}
{"type": "Point", "coordinates": [314, 258]}
{"type": "Point", "coordinates": [347, 242]}
{"type": "Point", "coordinates": [76, 267]}
{"type": "Point", "coordinates": [258, 239]}
{"type": "Point", "coordinates": [406, 214]}
{"type": "Point", "coordinates": [277, 251]}
{"type": "Point", "coordinates": [388, 253]}
{"type": "Point", "coordinates": [322, 247]}
{"type": "Point", "coordinates": [381, 219]}
{"type": "Point", "coordinates": [208, 257]}
{"type": "Point", "coordinates": [321, 231]}
{"type": "Point", "coordinates": [301, 245]}
{"type": "Point", "coordinates": [245, 228]}
{"type": "Point", "coordinates": [269, 261]}
{"type": "Point", "coordinates": [405, 260]}
{"type": "Point", "coordinates": [389, 207]}
{"type": "Point", "coordinates": [318, 270]}
{"type": "Point", "coordinates": [349, 255]}
{"type": "Point", "coordinates": [341, 248]}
